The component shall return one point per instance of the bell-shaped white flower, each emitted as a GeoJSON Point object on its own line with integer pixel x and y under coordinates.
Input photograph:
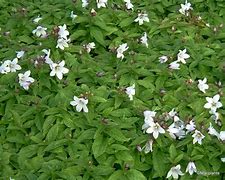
{"type": "Point", "coordinates": [12, 65]}
{"type": "Point", "coordinates": [130, 91]}
{"type": "Point", "coordinates": [37, 19]}
{"type": "Point", "coordinates": [213, 103]}
{"type": "Point", "coordinates": [63, 32]}
{"type": "Point", "coordinates": [121, 49]}
{"type": "Point", "coordinates": [222, 159]}
{"type": "Point", "coordinates": [101, 3]}
{"type": "Point", "coordinates": [144, 39]}
{"type": "Point", "coordinates": [80, 104]}
{"type": "Point", "coordinates": [212, 131]}
{"type": "Point", "coordinates": [25, 80]}
{"type": "Point", "coordinates": [85, 3]}
{"type": "Point", "coordinates": [148, 121]}
{"type": "Point", "coordinates": [185, 8]}
{"type": "Point", "coordinates": [190, 126]}
{"type": "Point", "coordinates": [47, 58]}
{"type": "Point", "coordinates": [58, 69]}
{"type": "Point", "coordinates": [198, 137]}
{"type": "Point", "coordinates": [72, 15]}
{"type": "Point", "coordinates": [182, 55]}
{"type": "Point", "coordinates": [129, 5]}
{"type": "Point", "coordinates": [175, 172]}
{"type": "Point", "coordinates": [20, 54]}
{"type": "Point", "coordinates": [222, 135]}
{"type": "Point", "coordinates": [191, 168]}
{"type": "Point", "coordinates": [142, 17]}
{"type": "Point", "coordinates": [155, 129]}
{"type": "Point", "coordinates": [202, 86]}
{"type": "Point", "coordinates": [174, 65]}
{"type": "Point", "coordinates": [40, 31]}
{"type": "Point", "coordinates": [148, 146]}
{"type": "Point", "coordinates": [62, 43]}
{"type": "Point", "coordinates": [89, 47]}
{"type": "Point", "coordinates": [163, 59]}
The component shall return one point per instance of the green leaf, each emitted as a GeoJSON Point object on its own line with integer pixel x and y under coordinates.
{"type": "Point", "coordinates": [116, 134]}
{"type": "Point", "coordinates": [99, 145]}
{"type": "Point", "coordinates": [134, 174]}
{"type": "Point", "coordinates": [97, 34]}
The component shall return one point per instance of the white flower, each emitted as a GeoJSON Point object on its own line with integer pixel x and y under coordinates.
{"type": "Point", "coordinates": [37, 19]}
{"type": "Point", "coordinates": [223, 159]}
{"type": "Point", "coordinates": [19, 54]}
{"type": "Point", "coordinates": [130, 91]}
{"type": "Point", "coordinates": [174, 65]}
{"type": "Point", "coordinates": [120, 50]}
{"type": "Point", "coordinates": [191, 126]}
{"type": "Point", "coordinates": [202, 86]}
{"type": "Point", "coordinates": [172, 113]}
{"type": "Point", "coordinates": [175, 172]}
{"type": "Point", "coordinates": [85, 3]}
{"type": "Point", "coordinates": [148, 146]}
{"type": "Point", "coordinates": [101, 3]}
{"type": "Point", "coordinates": [198, 137]}
{"type": "Point", "coordinates": [213, 103]}
{"type": "Point", "coordinates": [149, 115]}
{"type": "Point", "coordinates": [63, 32]}
{"type": "Point", "coordinates": [12, 65]}
{"type": "Point", "coordinates": [47, 58]}
{"type": "Point", "coordinates": [191, 168]}
{"type": "Point", "coordinates": [141, 18]}
{"type": "Point", "coordinates": [4, 68]}
{"type": "Point", "coordinates": [58, 69]}
{"type": "Point", "coordinates": [89, 47]}
{"type": "Point", "coordinates": [163, 59]}
{"type": "Point", "coordinates": [80, 104]}
{"type": "Point", "coordinates": [155, 128]}
{"type": "Point", "coordinates": [129, 5]}
{"type": "Point", "coordinates": [212, 131]}
{"type": "Point", "coordinates": [176, 128]}
{"type": "Point", "coordinates": [182, 55]}
{"type": "Point", "coordinates": [222, 135]}
{"type": "Point", "coordinates": [62, 43]}
{"type": "Point", "coordinates": [144, 39]}
{"type": "Point", "coordinates": [73, 16]}
{"type": "Point", "coordinates": [215, 116]}
{"type": "Point", "coordinates": [40, 31]}
{"type": "Point", "coordinates": [185, 8]}
{"type": "Point", "coordinates": [25, 80]}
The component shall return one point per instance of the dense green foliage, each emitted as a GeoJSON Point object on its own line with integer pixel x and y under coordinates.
{"type": "Point", "coordinates": [43, 137]}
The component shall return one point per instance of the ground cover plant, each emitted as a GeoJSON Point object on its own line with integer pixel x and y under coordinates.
{"type": "Point", "coordinates": [116, 90]}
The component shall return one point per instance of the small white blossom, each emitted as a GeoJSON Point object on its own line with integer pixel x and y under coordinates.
{"type": "Point", "coordinates": [163, 59]}
{"type": "Point", "coordinates": [172, 113]}
{"type": "Point", "coordinates": [144, 39]}
{"type": "Point", "coordinates": [85, 3]}
{"type": "Point", "coordinates": [129, 5]}
{"type": "Point", "coordinates": [149, 115]}
{"type": "Point", "coordinates": [4, 68]}
{"type": "Point", "coordinates": [142, 17]}
{"type": "Point", "coordinates": [47, 58]}
{"type": "Point", "coordinates": [101, 3]}
{"type": "Point", "coordinates": [63, 32]}
{"type": "Point", "coordinates": [202, 86]}
{"type": "Point", "coordinates": [213, 103]}
{"type": "Point", "coordinates": [191, 168]}
{"type": "Point", "coordinates": [12, 65]}
{"type": "Point", "coordinates": [37, 19]}
{"type": "Point", "coordinates": [198, 137]}
{"type": "Point", "coordinates": [185, 8]}
{"type": "Point", "coordinates": [72, 15]}
{"type": "Point", "coordinates": [182, 55]}
{"type": "Point", "coordinates": [121, 49]}
{"type": "Point", "coordinates": [190, 127]}
{"type": "Point", "coordinates": [58, 69]}
{"type": "Point", "coordinates": [223, 159]}
{"type": "Point", "coordinates": [222, 135]}
{"type": "Point", "coordinates": [215, 116]}
{"type": "Point", "coordinates": [40, 31]}
{"type": "Point", "coordinates": [212, 131]}
{"type": "Point", "coordinates": [89, 47]}
{"type": "Point", "coordinates": [155, 128]}
{"type": "Point", "coordinates": [174, 65]}
{"type": "Point", "coordinates": [130, 91]}
{"type": "Point", "coordinates": [175, 172]}
{"type": "Point", "coordinates": [25, 80]}
{"type": "Point", "coordinates": [80, 104]}
{"type": "Point", "coordinates": [20, 54]}
{"type": "Point", "coordinates": [62, 43]}
{"type": "Point", "coordinates": [148, 146]}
